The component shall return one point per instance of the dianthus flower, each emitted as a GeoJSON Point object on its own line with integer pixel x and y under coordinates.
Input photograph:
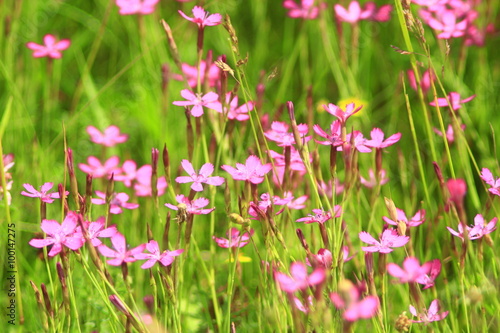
{"type": "Point", "coordinates": [51, 49]}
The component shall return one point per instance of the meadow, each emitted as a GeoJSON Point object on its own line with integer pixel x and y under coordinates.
{"type": "Point", "coordinates": [249, 166]}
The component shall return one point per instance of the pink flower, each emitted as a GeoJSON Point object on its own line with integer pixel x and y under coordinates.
{"type": "Point", "coordinates": [428, 279]}
{"type": "Point", "coordinates": [43, 193]}
{"type": "Point", "coordinates": [253, 170]}
{"type": "Point", "coordinates": [425, 80]}
{"type": "Point", "coordinates": [455, 101]}
{"type": "Point", "coordinates": [209, 100]}
{"type": "Point", "coordinates": [279, 134]}
{"type": "Point", "coordinates": [446, 22]}
{"type": "Point", "coordinates": [299, 280]}
{"type": "Point", "coordinates": [98, 170]}
{"type": "Point", "coordinates": [416, 220]}
{"type": "Point", "coordinates": [129, 172]}
{"type": "Point", "coordinates": [234, 111]}
{"type": "Point", "coordinates": [372, 181]}
{"type": "Point", "coordinates": [429, 315]}
{"type": "Point", "coordinates": [265, 203]}
{"type": "Point", "coordinates": [388, 240]}
{"type": "Point", "coordinates": [381, 14]}
{"type": "Point", "coordinates": [201, 18]}
{"type": "Point", "coordinates": [303, 307]}
{"type": "Point", "coordinates": [457, 189]}
{"type": "Point", "coordinates": [411, 270]}
{"type": "Point", "coordinates": [353, 14]}
{"type": "Point", "coordinates": [203, 177]}
{"type": "Point", "coordinates": [143, 186]}
{"type": "Point", "coordinates": [191, 207]}
{"type": "Point", "coordinates": [378, 141]}
{"type": "Point", "coordinates": [60, 234]}
{"type": "Point", "coordinates": [321, 216]}
{"type": "Point", "coordinates": [165, 258]}
{"type": "Point", "coordinates": [459, 233]}
{"type": "Point", "coordinates": [338, 112]}
{"type": "Point", "coordinates": [109, 138]}
{"type": "Point", "coordinates": [96, 230]}
{"type": "Point", "coordinates": [480, 229]}
{"type": "Point", "coordinates": [333, 138]}
{"type": "Point", "coordinates": [51, 49]}
{"type": "Point", "coordinates": [191, 73]}
{"type": "Point", "coordinates": [118, 201]}
{"type": "Point", "coordinates": [322, 259]}
{"type": "Point", "coordinates": [349, 300]}
{"type": "Point", "coordinates": [305, 10]}
{"type": "Point", "coordinates": [235, 239]}
{"type": "Point", "coordinates": [295, 203]}
{"type": "Point", "coordinates": [120, 254]}
{"type": "Point", "coordinates": [450, 134]}
{"type": "Point", "coordinates": [296, 163]}
{"type": "Point", "coordinates": [357, 140]}
{"type": "Point", "coordinates": [130, 7]}
{"type": "Point", "coordinates": [488, 178]}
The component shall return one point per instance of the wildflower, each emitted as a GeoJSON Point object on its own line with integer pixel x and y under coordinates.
{"type": "Point", "coordinates": [109, 138]}
{"type": "Point", "coordinates": [333, 138]}
{"type": "Point", "coordinates": [120, 254]}
{"type": "Point", "coordinates": [372, 181]}
{"type": "Point", "coordinates": [381, 14]}
{"type": "Point", "coordinates": [349, 299]}
{"type": "Point", "coordinates": [266, 202]}
{"type": "Point", "coordinates": [459, 233]}
{"type": "Point", "coordinates": [488, 178]}
{"type": "Point", "coordinates": [235, 239]}
{"type": "Point", "coordinates": [98, 170]}
{"type": "Point", "coordinates": [446, 22]}
{"type": "Point", "coordinates": [303, 307]}
{"type": "Point", "coordinates": [299, 279]}
{"type": "Point", "coordinates": [388, 240]}
{"type": "Point", "coordinates": [96, 230]}
{"type": "Point", "coordinates": [430, 314]}
{"type": "Point", "coordinates": [295, 203]}
{"type": "Point", "coordinates": [117, 202]}
{"type": "Point", "coordinates": [51, 49]}
{"type": "Point", "coordinates": [342, 115]}
{"type": "Point", "coordinates": [320, 216]}
{"type": "Point", "coordinates": [43, 193]}
{"type": "Point", "coordinates": [378, 141]}
{"type": "Point", "coordinates": [428, 279]}
{"type": "Point", "coordinates": [201, 18]}
{"type": "Point", "coordinates": [357, 140]}
{"type": "Point", "coordinates": [191, 207]}
{"type": "Point", "coordinates": [165, 258]}
{"type": "Point", "coordinates": [411, 270]}
{"type": "Point", "coordinates": [128, 172]}
{"type": "Point", "coordinates": [353, 14]}
{"type": "Point", "coordinates": [480, 229]}
{"type": "Point", "coordinates": [191, 73]}
{"type": "Point", "coordinates": [416, 220]}
{"type": "Point", "coordinates": [279, 134]}
{"type": "Point", "coordinates": [60, 234]}
{"type": "Point", "coordinates": [455, 101]}
{"type": "Point", "coordinates": [253, 170]}
{"type": "Point", "coordinates": [234, 111]}
{"type": "Point", "coordinates": [323, 259]}
{"type": "Point", "coordinates": [209, 100]}
{"type": "Point", "coordinates": [296, 163]}
{"type": "Point", "coordinates": [305, 9]}
{"type": "Point", "coordinates": [130, 7]}
{"type": "Point", "coordinates": [425, 80]}
{"type": "Point", "coordinates": [143, 185]}
{"type": "Point", "coordinates": [203, 177]}
{"type": "Point", "coordinates": [326, 188]}
{"type": "Point", "coordinates": [450, 134]}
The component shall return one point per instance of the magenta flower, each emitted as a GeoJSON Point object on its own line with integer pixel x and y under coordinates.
{"type": "Point", "coordinates": [425, 80]}
{"type": "Point", "coordinates": [198, 101]}
{"type": "Point", "coordinates": [60, 234]}
{"type": "Point", "coordinates": [488, 178]}
{"type": "Point", "coordinates": [372, 180]}
{"type": "Point", "coordinates": [457, 189]}
{"type": "Point", "coordinates": [202, 18]}
{"type": "Point", "coordinates": [450, 133]}
{"type": "Point", "coordinates": [378, 141]}
{"type": "Point", "coordinates": [429, 315]}
{"type": "Point", "coordinates": [203, 177]}
{"type": "Point", "coordinates": [411, 270]}
{"type": "Point", "coordinates": [234, 111]}
{"type": "Point", "coordinates": [455, 101]}
{"type": "Point", "coordinates": [353, 14]}
{"type": "Point", "coordinates": [333, 138]}
{"type": "Point", "coordinates": [321, 216]}
{"type": "Point", "coordinates": [428, 279]}
{"type": "Point", "coordinates": [357, 140]}
{"type": "Point", "coordinates": [129, 172]}
{"type": "Point", "coordinates": [446, 22]}
{"type": "Point", "coordinates": [130, 7]}
{"type": "Point", "coordinates": [165, 258]}
{"type": "Point", "coordinates": [120, 254]}
{"type": "Point", "coordinates": [305, 9]}
{"type": "Point", "coordinates": [381, 14]}
{"type": "Point", "coordinates": [322, 259]}
{"type": "Point", "coordinates": [299, 280]}
{"type": "Point", "coordinates": [416, 220]}
{"type": "Point", "coordinates": [388, 240]}
{"type": "Point", "coordinates": [118, 201]}
{"type": "Point", "coordinates": [109, 138]}
{"type": "Point", "coordinates": [235, 239]}
{"type": "Point", "coordinates": [480, 228]}
{"type": "Point", "coordinates": [143, 185]}
{"type": "Point", "coordinates": [349, 300]}
{"type": "Point", "coordinates": [459, 233]}
{"type": "Point", "coordinates": [98, 170]}
{"type": "Point", "coordinates": [265, 203]}
{"type": "Point", "coordinates": [279, 134]}
{"type": "Point", "coordinates": [191, 207]}
{"type": "Point", "coordinates": [191, 73]}
{"type": "Point", "coordinates": [51, 49]}
{"type": "Point", "coordinates": [96, 230]}
{"type": "Point", "coordinates": [253, 170]}
{"type": "Point", "coordinates": [295, 203]}
{"type": "Point", "coordinates": [43, 194]}
{"type": "Point", "coordinates": [339, 113]}
{"type": "Point", "coordinates": [296, 163]}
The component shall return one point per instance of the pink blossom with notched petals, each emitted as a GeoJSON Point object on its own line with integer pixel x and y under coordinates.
{"type": "Point", "coordinates": [377, 139]}
{"type": "Point", "coordinates": [234, 111]}
{"type": "Point", "coordinates": [202, 18]}
{"type": "Point", "coordinates": [165, 258]}
{"type": "Point", "coordinates": [372, 180]}
{"type": "Point", "coordinates": [234, 239]}
{"type": "Point", "coordinates": [128, 172]}
{"type": "Point", "coordinates": [43, 194]}
{"type": "Point", "coordinates": [299, 279]}
{"type": "Point", "coordinates": [198, 178]}
{"type": "Point", "coordinates": [479, 229]}
{"type": "Point", "coordinates": [428, 279]}
{"type": "Point", "coordinates": [352, 14]}
{"type": "Point", "coordinates": [51, 49]}
{"type": "Point", "coordinates": [411, 270]}
{"type": "Point", "coordinates": [450, 133]}
{"type": "Point", "coordinates": [118, 201]}
{"type": "Point", "coordinates": [446, 22]}
{"type": "Point", "coordinates": [488, 178]}
{"type": "Point", "coordinates": [98, 170]}
{"type": "Point", "coordinates": [295, 203]}
{"type": "Point", "coordinates": [143, 185]}
{"type": "Point", "coordinates": [428, 315]}
{"type": "Point", "coordinates": [333, 138]}
{"type": "Point", "coordinates": [455, 101]}
{"type": "Point", "coordinates": [321, 216]}
{"type": "Point", "coordinates": [263, 205]}
{"type": "Point", "coordinates": [130, 7]}
{"type": "Point", "coordinates": [60, 234]}
{"type": "Point", "coordinates": [198, 101]}
{"type": "Point", "coordinates": [109, 138]}
{"type": "Point", "coordinates": [354, 307]}
{"type": "Point", "coordinates": [120, 254]}
{"type": "Point", "coordinates": [279, 133]}
{"type": "Point", "coordinates": [416, 220]}
{"type": "Point", "coordinates": [192, 207]}
{"type": "Point", "coordinates": [340, 113]}
{"type": "Point", "coordinates": [253, 170]}
{"type": "Point", "coordinates": [460, 231]}
{"type": "Point", "coordinates": [356, 139]}
{"type": "Point", "coordinates": [305, 9]}
{"type": "Point", "coordinates": [96, 230]}
{"type": "Point", "coordinates": [388, 240]}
